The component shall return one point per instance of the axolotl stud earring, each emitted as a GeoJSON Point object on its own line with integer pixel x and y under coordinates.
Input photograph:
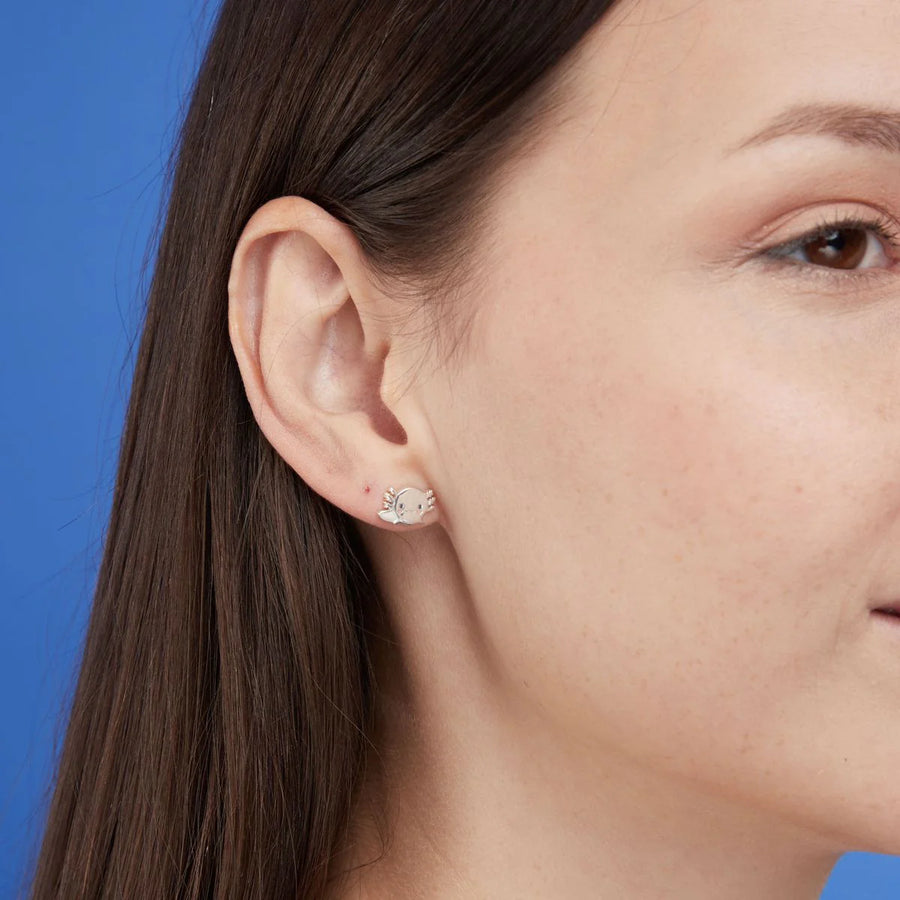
{"type": "Point", "coordinates": [406, 506]}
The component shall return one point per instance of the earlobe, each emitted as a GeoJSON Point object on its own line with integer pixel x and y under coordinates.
{"type": "Point", "coordinates": [311, 333]}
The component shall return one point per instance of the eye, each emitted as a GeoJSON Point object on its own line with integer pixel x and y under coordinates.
{"type": "Point", "coordinates": [845, 246]}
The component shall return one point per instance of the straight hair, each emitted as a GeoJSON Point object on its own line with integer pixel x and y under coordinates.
{"type": "Point", "coordinates": [215, 740]}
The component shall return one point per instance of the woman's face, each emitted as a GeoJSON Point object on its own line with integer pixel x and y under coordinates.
{"type": "Point", "coordinates": [670, 460]}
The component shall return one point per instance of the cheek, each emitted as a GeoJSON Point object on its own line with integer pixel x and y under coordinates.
{"type": "Point", "coordinates": [768, 472]}
{"type": "Point", "coordinates": [752, 482]}
{"type": "Point", "coordinates": [688, 531]}
{"type": "Point", "coordinates": [706, 517]}
{"type": "Point", "coordinates": [753, 505]}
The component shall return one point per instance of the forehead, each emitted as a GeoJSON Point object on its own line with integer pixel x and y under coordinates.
{"type": "Point", "coordinates": [662, 79]}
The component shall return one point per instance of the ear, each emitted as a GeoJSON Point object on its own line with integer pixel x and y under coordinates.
{"type": "Point", "coordinates": [315, 347]}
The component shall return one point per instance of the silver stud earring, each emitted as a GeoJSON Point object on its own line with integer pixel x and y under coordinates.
{"type": "Point", "coordinates": [406, 506]}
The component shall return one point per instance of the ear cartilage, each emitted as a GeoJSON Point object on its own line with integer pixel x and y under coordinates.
{"type": "Point", "coordinates": [407, 506]}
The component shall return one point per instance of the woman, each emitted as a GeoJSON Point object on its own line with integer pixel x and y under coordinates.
{"type": "Point", "coordinates": [508, 504]}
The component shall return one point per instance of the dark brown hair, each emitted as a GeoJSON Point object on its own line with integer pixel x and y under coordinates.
{"type": "Point", "coordinates": [216, 734]}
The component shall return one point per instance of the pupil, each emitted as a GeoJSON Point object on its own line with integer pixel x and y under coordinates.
{"type": "Point", "coordinates": [843, 248]}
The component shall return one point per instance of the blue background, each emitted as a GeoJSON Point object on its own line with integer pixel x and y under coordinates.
{"type": "Point", "coordinates": [93, 94]}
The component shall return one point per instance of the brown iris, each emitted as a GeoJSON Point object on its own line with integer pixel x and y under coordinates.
{"type": "Point", "coordinates": [840, 248]}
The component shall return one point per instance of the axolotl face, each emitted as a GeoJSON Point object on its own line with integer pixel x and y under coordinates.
{"type": "Point", "coordinates": [409, 506]}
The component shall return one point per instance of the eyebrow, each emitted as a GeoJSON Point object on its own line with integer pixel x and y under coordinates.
{"type": "Point", "coordinates": [851, 123]}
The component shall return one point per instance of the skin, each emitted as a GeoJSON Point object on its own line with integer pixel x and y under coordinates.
{"type": "Point", "coordinates": [631, 653]}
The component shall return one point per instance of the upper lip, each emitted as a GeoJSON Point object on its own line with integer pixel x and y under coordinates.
{"type": "Point", "coordinates": [892, 606]}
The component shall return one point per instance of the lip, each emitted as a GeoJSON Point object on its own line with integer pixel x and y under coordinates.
{"type": "Point", "coordinates": [889, 613]}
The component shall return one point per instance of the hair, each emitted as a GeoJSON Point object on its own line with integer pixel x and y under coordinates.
{"type": "Point", "coordinates": [216, 736]}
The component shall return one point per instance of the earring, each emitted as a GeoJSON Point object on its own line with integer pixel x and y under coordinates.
{"type": "Point", "coordinates": [406, 506]}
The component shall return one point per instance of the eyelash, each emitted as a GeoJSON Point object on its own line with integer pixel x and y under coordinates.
{"type": "Point", "coordinates": [882, 226]}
